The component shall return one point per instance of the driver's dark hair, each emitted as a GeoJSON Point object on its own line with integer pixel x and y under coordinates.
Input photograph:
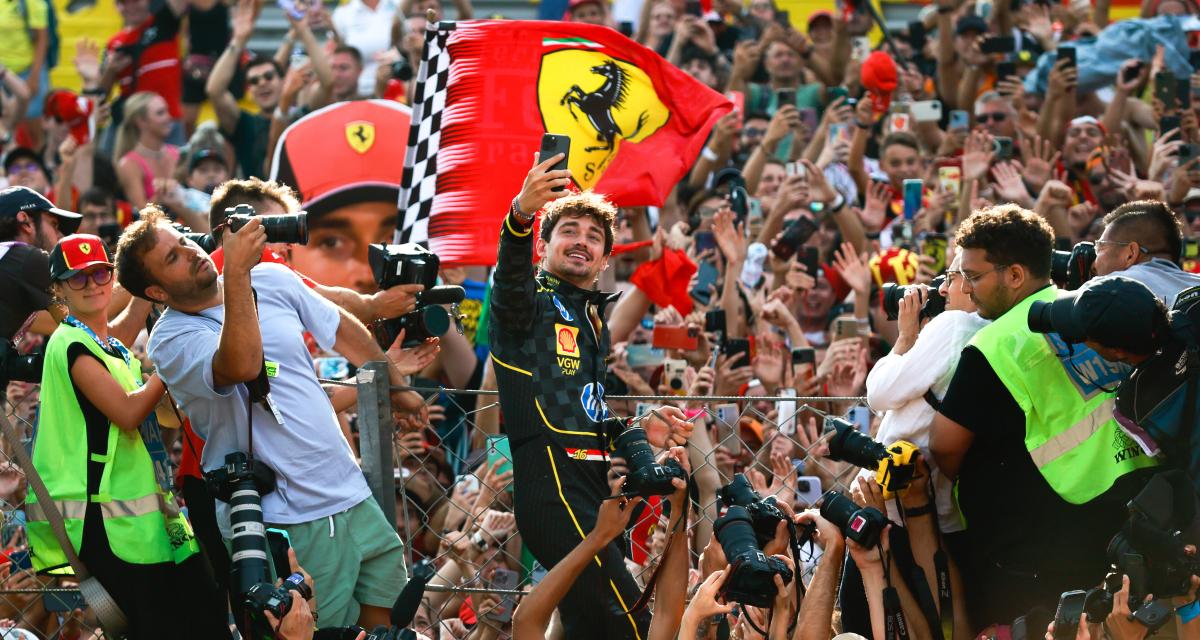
{"type": "Point", "coordinates": [1150, 223]}
{"type": "Point", "coordinates": [577, 205]}
{"type": "Point", "coordinates": [1010, 234]}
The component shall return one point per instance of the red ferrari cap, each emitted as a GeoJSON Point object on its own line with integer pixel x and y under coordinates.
{"type": "Point", "coordinates": [75, 253]}
{"type": "Point", "coordinates": [72, 110]}
{"type": "Point", "coordinates": [344, 154]}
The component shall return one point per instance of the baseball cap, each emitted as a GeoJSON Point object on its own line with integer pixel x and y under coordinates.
{"type": "Point", "coordinates": [1114, 311]}
{"type": "Point", "coordinates": [1192, 194]}
{"type": "Point", "coordinates": [200, 155]}
{"type": "Point", "coordinates": [820, 14]}
{"type": "Point", "coordinates": [75, 253]}
{"type": "Point", "coordinates": [14, 200]}
{"type": "Point", "coordinates": [970, 22]}
{"type": "Point", "coordinates": [72, 110]}
{"type": "Point", "coordinates": [20, 153]}
{"type": "Point", "coordinates": [575, 4]}
{"type": "Point", "coordinates": [359, 160]}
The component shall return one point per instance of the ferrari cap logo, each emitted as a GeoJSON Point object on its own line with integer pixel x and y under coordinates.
{"type": "Point", "coordinates": [85, 248]}
{"type": "Point", "coordinates": [360, 134]}
{"type": "Point", "coordinates": [598, 101]}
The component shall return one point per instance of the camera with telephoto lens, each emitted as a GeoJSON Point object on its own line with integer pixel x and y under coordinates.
{"type": "Point", "coordinates": [765, 514]}
{"type": "Point", "coordinates": [1070, 269]}
{"type": "Point", "coordinates": [241, 482]}
{"type": "Point", "coordinates": [751, 578]}
{"type": "Point", "coordinates": [646, 477]}
{"type": "Point", "coordinates": [14, 366]}
{"type": "Point", "coordinates": [894, 464]}
{"type": "Point", "coordinates": [397, 264]}
{"type": "Point", "coordinates": [863, 525]}
{"type": "Point", "coordinates": [1162, 522]}
{"type": "Point", "coordinates": [290, 228]}
{"type": "Point", "coordinates": [893, 293]}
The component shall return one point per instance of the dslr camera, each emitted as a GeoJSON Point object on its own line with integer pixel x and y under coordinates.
{"type": "Point", "coordinates": [765, 514]}
{"type": "Point", "coordinates": [291, 228]}
{"type": "Point", "coordinates": [396, 264]}
{"type": "Point", "coordinates": [241, 482]}
{"type": "Point", "coordinates": [894, 465]}
{"type": "Point", "coordinates": [14, 366]}
{"type": "Point", "coordinates": [1070, 269]}
{"type": "Point", "coordinates": [646, 477]}
{"type": "Point", "coordinates": [862, 525]}
{"type": "Point", "coordinates": [893, 293]}
{"type": "Point", "coordinates": [751, 579]}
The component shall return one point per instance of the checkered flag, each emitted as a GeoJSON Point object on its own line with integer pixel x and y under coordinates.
{"type": "Point", "coordinates": [419, 184]}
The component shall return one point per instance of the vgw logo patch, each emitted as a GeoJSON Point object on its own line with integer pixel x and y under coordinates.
{"type": "Point", "coordinates": [597, 101]}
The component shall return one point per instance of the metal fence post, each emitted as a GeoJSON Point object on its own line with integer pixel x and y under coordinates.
{"type": "Point", "coordinates": [375, 435]}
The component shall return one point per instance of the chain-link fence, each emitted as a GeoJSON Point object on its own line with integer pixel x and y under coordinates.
{"type": "Point", "coordinates": [31, 606]}
{"type": "Point", "coordinates": [453, 489]}
{"type": "Point", "coordinates": [449, 488]}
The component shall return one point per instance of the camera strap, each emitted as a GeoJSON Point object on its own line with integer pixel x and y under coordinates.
{"type": "Point", "coordinates": [648, 590]}
{"type": "Point", "coordinates": [940, 613]}
{"type": "Point", "coordinates": [894, 625]}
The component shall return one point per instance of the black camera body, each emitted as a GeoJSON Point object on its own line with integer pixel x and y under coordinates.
{"type": "Point", "coordinates": [14, 366]}
{"type": "Point", "coordinates": [241, 482]}
{"type": "Point", "coordinates": [862, 525]}
{"type": "Point", "coordinates": [646, 477]}
{"type": "Point", "coordinates": [895, 465]}
{"type": "Point", "coordinates": [1070, 269]}
{"type": "Point", "coordinates": [204, 240]}
{"type": "Point", "coordinates": [765, 514]}
{"type": "Point", "coordinates": [397, 264]}
{"type": "Point", "coordinates": [290, 228]}
{"type": "Point", "coordinates": [893, 293]}
{"type": "Point", "coordinates": [265, 597]}
{"type": "Point", "coordinates": [751, 579]}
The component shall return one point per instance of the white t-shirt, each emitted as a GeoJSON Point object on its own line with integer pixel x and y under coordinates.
{"type": "Point", "coordinates": [897, 384]}
{"type": "Point", "coordinates": [368, 30]}
{"type": "Point", "coordinates": [315, 469]}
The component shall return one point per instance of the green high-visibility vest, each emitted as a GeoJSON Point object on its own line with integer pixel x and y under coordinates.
{"type": "Point", "coordinates": [142, 521]}
{"type": "Point", "coordinates": [1070, 431]}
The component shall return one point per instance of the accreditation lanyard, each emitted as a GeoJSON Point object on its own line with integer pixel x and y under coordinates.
{"type": "Point", "coordinates": [149, 430]}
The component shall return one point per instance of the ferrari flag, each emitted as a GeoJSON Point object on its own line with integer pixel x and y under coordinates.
{"type": "Point", "coordinates": [487, 91]}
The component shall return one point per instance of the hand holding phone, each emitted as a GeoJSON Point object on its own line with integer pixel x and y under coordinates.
{"type": "Point", "coordinates": [552, 145]}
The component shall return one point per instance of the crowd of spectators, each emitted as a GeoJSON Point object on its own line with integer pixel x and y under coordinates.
{"type": "Point", "coordinates": [830, 181]}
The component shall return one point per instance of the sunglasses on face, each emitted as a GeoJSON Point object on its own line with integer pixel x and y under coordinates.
{"type": "Point", "coordinates": [101, 277]}
{"type": "Point", "coordinates": [23, 167]}
{"type": "Point", "coordinates": [999, 116]}
{"type": "Point", "coordinates": [266, 77]}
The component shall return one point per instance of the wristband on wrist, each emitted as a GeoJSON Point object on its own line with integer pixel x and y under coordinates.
{"type": "Point", "coordinates": [521, 216]}
{"type": "Point", "coordinates": [862, 125]}
{"type": "Point", "coordinates": [708, 154]}
{"type": "Point", "coordinates": [1189, 611]}
{"type": "Point", "coordinates": [923, 510]}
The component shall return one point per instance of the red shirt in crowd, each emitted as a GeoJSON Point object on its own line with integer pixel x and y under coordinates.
{"type": "Point", "coordinates": [154, 47]}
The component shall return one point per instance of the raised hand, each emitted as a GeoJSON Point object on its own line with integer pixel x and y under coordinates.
{"type": "Point", "coordinates": [853, 268]}
{"type": "Point", "coordinates": [540, 184]}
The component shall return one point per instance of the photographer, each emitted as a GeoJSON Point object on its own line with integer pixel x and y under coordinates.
{"type": "Point", "coordinates": [121, 515]}
{"type": "Point", "coordinates": [273, 199]}
{"type": "Point", "coordinates": [548, 343]}
{"type": "Point", "coordinates": [1143, 240]}
{"type": "Point", "coordinates": [30, 225]}
{"type": "Point", "coordinates": [220, 332]}
{"type": "Point", "coordinates": [1028, 437]}
{"type": "Point", "coordinates": [1124, 321]}
{"type": "Point", "coordinates": [921, 363]}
